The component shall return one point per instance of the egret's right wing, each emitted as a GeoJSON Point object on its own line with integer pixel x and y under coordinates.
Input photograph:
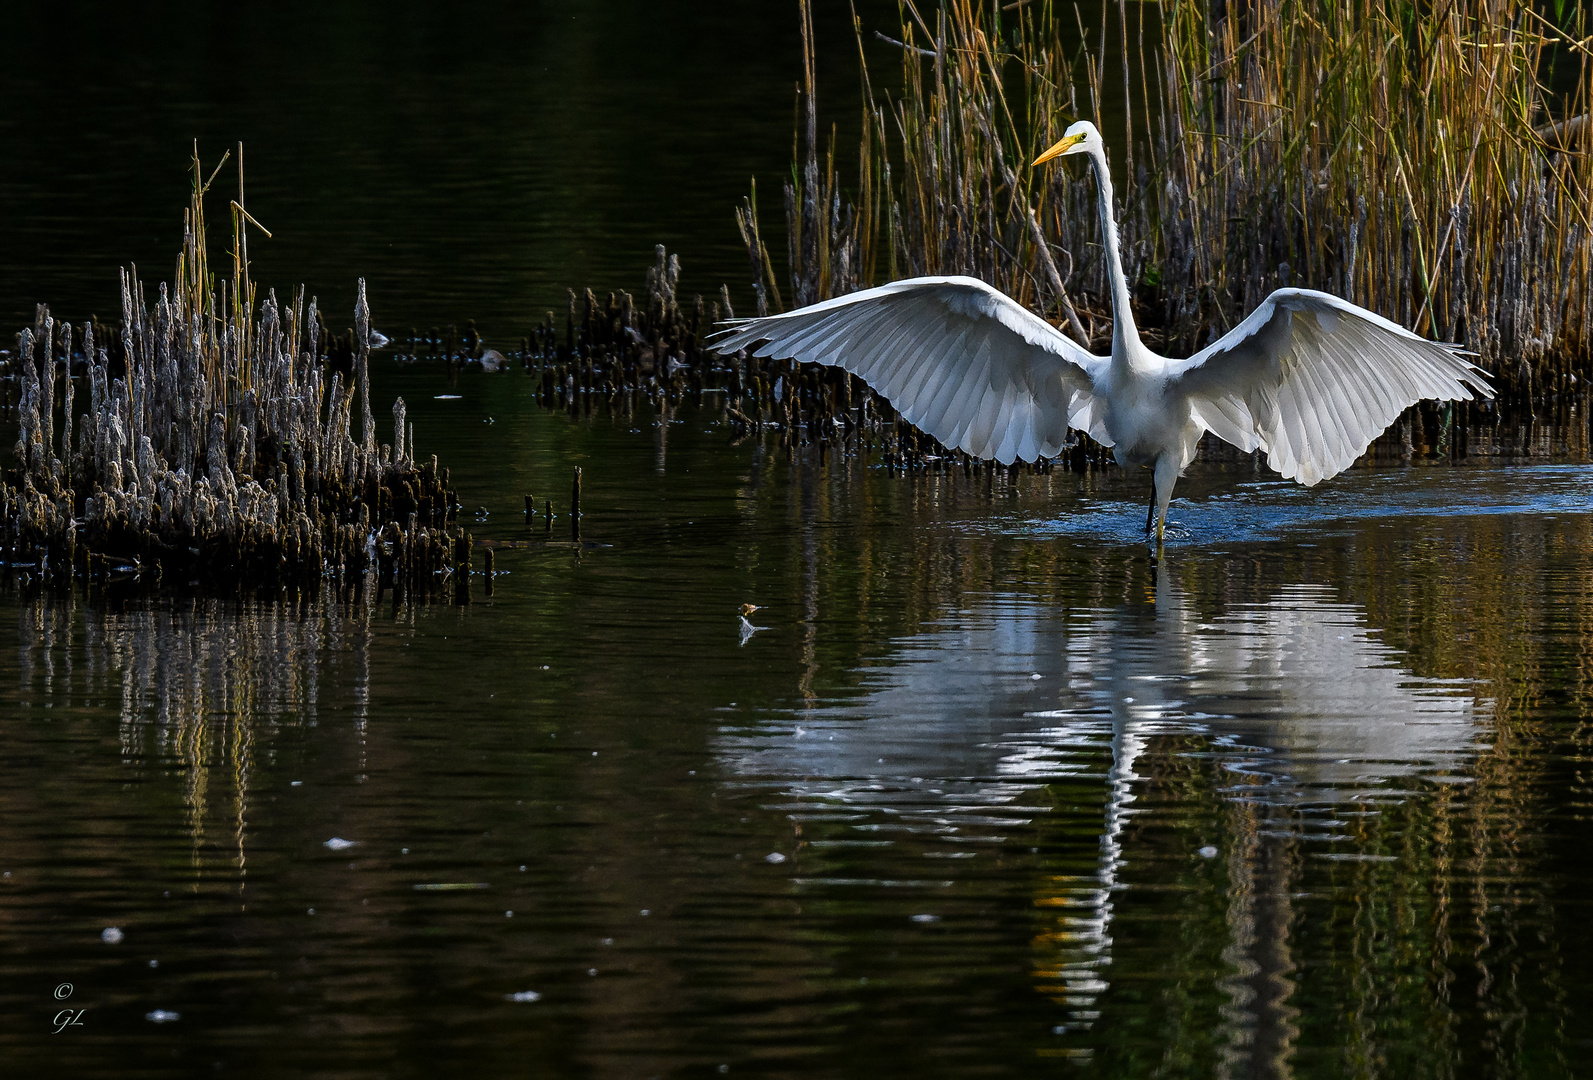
{"type": "Point", "coordinates": [956, 358]}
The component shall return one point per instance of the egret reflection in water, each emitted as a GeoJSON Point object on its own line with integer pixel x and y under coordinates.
{"type": "Point", "coordinates": [1300, 702]}
{"type": "Point", "coordinates": [1297, 688]}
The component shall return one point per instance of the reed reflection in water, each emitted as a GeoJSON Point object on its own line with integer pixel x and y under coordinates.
{"type": "Point", "coordinates": [201, 687]}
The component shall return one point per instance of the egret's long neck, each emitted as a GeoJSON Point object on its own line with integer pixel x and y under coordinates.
{"type": "Point", "coordinates": [1123, 329]}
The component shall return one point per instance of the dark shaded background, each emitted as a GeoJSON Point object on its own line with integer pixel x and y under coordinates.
{"type": "Point", "coordinates": [469, 160]}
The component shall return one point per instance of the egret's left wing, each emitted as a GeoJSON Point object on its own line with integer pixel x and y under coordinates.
{"type": "Point", "coordinates": [1312, 380]}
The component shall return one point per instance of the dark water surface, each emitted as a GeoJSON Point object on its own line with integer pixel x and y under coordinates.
{"type": "Point", "coordinates": [986, 793]}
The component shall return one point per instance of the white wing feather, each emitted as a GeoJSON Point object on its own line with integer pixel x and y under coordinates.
{"type": "Point", "coordinates": [1312, 380]}
{"type": "Point", "coordinates": [954, 356]}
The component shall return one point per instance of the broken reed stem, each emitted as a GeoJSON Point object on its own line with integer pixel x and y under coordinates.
{"type": "Point", "coordinates": [575, 505]}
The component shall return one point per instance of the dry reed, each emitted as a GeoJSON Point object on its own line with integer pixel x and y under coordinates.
{"type": "Point", "coordinates": [217, 443]}
{"type": "Point", "coordinates": [1415, 162]}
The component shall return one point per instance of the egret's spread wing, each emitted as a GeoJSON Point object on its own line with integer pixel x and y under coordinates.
{"type": "Point", "coordinates": [955, 357]}
{"type": "Point", "coordinates": [1312, 380]}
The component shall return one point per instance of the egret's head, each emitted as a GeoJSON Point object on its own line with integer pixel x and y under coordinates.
{"type": "Point", "coordinates": [1078, 139]}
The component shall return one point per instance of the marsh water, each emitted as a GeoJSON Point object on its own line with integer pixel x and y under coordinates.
{"type": "Point", "coordinates": [986, 791]}
{"type": "Point", "coordinates": [979, 789]}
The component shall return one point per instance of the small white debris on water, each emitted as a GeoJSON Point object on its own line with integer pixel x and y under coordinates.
{"type": "Point", "coordinates": [523, 996]}
{"type": "Point", "coordinates": [774, 857]}
{"type": "Point", "coordinates": [161, 1016]}
{"type": "Point", "coordinates": [111, 935]}
{"type": "Point", "coordinates": [295, 783]}
{"type": "Point", "coordinates": [1035, 677]}
{"type": "Point", "coordinates": [926, 918]}
{"type": "Point", "coordinates": [1208, 852]}
{"type": "Point", "coordinates": [337, 843]}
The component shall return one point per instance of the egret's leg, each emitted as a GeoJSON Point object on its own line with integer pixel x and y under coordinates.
{"type": "Point", "coordinates": [1166, 476]}
{"type": "Point", "coordinates": [1152, 533]}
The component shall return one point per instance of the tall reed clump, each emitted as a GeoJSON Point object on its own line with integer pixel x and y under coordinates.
{"type": "Point", "coordinates": [1434, 164]}
{"type": "Point", "coordinates": [1414, 162]}
{"type": "Point", "coordinates": [217, 441]}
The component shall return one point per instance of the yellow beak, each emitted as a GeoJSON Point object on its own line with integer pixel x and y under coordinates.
{"type": "Point", "coordinates": [1061, 147]}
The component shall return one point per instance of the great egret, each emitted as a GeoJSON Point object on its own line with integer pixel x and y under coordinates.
{"type": "Point", "coordinates": [1309, 378]}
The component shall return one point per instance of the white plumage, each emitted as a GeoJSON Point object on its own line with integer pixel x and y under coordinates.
{"type": "Point", "coordinates": [1308, 378]}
